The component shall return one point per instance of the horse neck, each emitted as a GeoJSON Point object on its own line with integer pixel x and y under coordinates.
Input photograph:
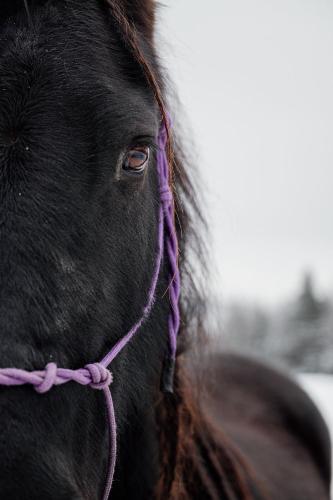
{"type": "Point", "coordinates": [197, 460]}
{"type": "Point", "coordinates": [169, 450]}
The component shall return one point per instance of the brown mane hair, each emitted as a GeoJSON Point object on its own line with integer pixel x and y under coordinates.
{"type": "Point", "coordinates": [197, 461]}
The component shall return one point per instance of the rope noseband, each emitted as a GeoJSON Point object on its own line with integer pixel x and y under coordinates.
{"type": "Point", "coordinates": [96, 375]}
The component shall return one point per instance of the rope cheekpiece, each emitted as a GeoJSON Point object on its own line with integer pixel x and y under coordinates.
{"type": "Point", "coordinates": [96, 375]}
{"type": "Point", "coordinates": [171, 243]}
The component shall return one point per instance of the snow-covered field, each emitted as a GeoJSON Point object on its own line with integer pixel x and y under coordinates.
{"type": "Point", "coordinates": [320, 389]}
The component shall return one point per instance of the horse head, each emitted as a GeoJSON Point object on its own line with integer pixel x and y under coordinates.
{"type": "Point", "coordinates": [80, 113]}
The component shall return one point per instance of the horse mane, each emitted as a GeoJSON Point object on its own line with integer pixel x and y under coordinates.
{"type": "Point", "coordinates": [197, 460]}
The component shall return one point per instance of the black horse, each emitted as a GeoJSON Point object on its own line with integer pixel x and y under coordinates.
{"type": "Point", "coordinates": [81, 97]}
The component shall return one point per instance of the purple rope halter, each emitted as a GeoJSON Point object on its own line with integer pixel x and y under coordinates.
{"type": "Point", "coordinates": [97, 375]}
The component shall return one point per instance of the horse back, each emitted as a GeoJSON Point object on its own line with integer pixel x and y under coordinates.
{"type": "Point", "coordinates": [275, 426]}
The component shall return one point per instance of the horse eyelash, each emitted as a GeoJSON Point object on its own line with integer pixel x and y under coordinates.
{"type": "Point", "coordinates": [146, 141]}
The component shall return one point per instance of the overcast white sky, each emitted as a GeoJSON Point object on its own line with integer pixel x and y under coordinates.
{"type": "Point", "coordinates": [256, 80]}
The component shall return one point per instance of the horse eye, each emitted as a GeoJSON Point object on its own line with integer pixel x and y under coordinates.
{"type": "Point", "coordinates": [136, 159]}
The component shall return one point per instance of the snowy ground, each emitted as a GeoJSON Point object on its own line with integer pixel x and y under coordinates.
{"type": "Point", "coordinates": [320, 388]}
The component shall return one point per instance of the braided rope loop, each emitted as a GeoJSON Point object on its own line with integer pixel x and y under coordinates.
{"type": "Point", "coordinates": [94, 375]}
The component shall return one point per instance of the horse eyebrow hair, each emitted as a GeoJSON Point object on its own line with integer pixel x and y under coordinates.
{"type": "Point", "coordinates": [26, 7]}
{"type": "Point", "coordinates": [129, 36]}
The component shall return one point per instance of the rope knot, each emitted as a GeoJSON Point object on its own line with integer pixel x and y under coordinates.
{"type": "Point", "coordinates": [163, 137]}
{"type": "Point", "coordinates": [100, 376]}
{"type": "Point", "coordinates": [49, 376]}
{"type": "Point", "coordinates": [166, 196]}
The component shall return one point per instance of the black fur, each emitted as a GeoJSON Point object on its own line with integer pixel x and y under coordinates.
{"type": "Point", "coordinates": [77, 249]}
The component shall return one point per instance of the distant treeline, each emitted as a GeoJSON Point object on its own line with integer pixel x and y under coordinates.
{"type": "Point", "coordinates": [298, 335]}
